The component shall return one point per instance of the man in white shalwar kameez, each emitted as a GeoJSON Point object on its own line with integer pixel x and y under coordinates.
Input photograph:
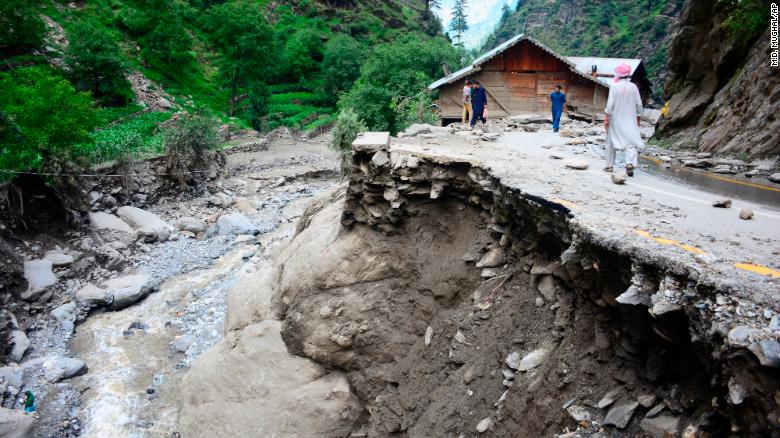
{"type": "Point", "coordinates": [624, 107]}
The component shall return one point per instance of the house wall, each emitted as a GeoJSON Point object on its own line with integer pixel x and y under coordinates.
{"type": "Point", "coordinates": [519, 81]}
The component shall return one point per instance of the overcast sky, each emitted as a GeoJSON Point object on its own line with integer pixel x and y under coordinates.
{"type": "Point", "coordinates": [482, 16]}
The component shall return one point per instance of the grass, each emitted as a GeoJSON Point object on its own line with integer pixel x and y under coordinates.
{"type": "Point", "coordinates": [137, 137]}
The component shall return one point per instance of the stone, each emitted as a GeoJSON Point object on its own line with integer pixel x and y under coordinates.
{"type": "Point", "coordinates": [576, 164]}
{"type": "Point", "coordinates": [539, 302]}
{"type": "Point", "coordinates": [746, 214]}
{"type": "Point", "coordinates": [58, 258]}
{"type": "Point", "coordinates": [646, 400]}
{"type": "Point", "coordinates": [10, 376]}
{"type": "Point", "coordinates": [508, 374]}
{"type": "Point", "coordinates": [371, 141]}
{"type": "Point", "coordinates": [533, 359]}
{"type": "Point", "coordinates": [493, 258]}
{"type": "Point", "coordinates": [417, 129]}
{"type": "Point", "coordinates": [235, 224]}
{"type": "Point", "coordinates": [722, 203]}
{"type": "Point", "coordinates": [244, 206]}
{"type": "Point", "coordinates": [737, 393]}
{"type": "Point", "coordinates": [15, 423]}
{"type": "Point", "coordinates": [116, 293]}
{"type": "Point", "coordinates": [547, 288]}
{"type": "Point", "coordinates": [39, 276]}
{"type": "Point", "coordinates": [775, 177]}
{"type": "Point", "coordinates": [490, 272]}
{"type": "Point", "coordinates": [656, 410]}
{"type": "Point", "coordinates": [106, 221]}
{"type": "Point", "coordinates": [428, 336]}
{"type": "Point", "coordinates": [262, 390]}
{"type": "Point", "coordinates": [380, 158]}
{"type": "Point", "coordinates": [513, 360]}
{"type": "Point", "coordinates": [490, 136]}
{"type": "Point", "coordinates": [739, 336]}
{"type": "Point", "coordinates": [609, 398]}
{"type": "Point", "coordinates": [57, 368]}
{"type": "Point", "coordinates": [145, 222]}
{"type": "Point", "coordinates": [65, 312]}
{"type": "Point", "coordinates": [20, 344]}
{"type": "Point", "coordinates": [484, 425]}
{"type": "Point", "coordinates": [698, 163]}
{"type": "Point", "coordinates": [580, 413]}
{"type": "Point", "coordinates": [469, 374]}
{"type": "Point", "coordinates": [620, 414]}
{"type": "Point", "coordinates": [182, 343]}
{"type": "Point", "coordinates": [661, 427]}
{"type": "Point", "coordinates": [723, 169]}
{"type": "Point", "coordinates": [191, 225]}
{"type": "Point", "coordinates": [768, 352]}
{"type": "Point", "coordinates": [619, 178]}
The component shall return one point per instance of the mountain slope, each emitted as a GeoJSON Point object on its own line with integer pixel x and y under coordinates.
{"type": "Point", "coordinates": [609, 28]}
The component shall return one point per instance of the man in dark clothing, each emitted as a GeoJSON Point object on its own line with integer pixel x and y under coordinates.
{"type": "Point", "coordinates": [478, 103]}
{"type": "Point", "coordinates": [558, 100]}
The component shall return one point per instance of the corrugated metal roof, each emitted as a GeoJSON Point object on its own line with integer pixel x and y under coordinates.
{"type": "Point", "coordinates": [604, 66]}
{"type": "Point", "coordinates": [475, 66]}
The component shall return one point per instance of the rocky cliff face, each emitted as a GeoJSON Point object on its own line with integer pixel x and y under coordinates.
{"type": "Point", "coordinates": [723, 95]}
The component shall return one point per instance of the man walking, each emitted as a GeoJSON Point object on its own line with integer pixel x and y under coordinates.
{"type": "Point", "coordinates": [467, 102]}
{"type": "Point", "coordinates": [624, 107]}
{"type": "Point", "coordinates": [558, 99]}
{"type": "Point", "coordinates": [478, 103]}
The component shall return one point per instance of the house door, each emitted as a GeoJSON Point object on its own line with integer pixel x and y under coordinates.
{"type": "Point", "coordinates": [522, 91]}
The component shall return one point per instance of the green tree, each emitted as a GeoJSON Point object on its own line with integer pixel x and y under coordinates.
{"type": "Point", "coordinates": [168, 44]}
{"type": "Point", "coordinates": [459, 25]}
{"type": "Point", "coordinates": [341, 64]}
{"type": "Point", "coordinates": [97, 65]}
{"type": "Point", "coordinates": [302, 51]}
{"type": "Point", "coordinates": [257, 111]}
{"type": "Point", "coordinates": [190, 147]}
{"type": "Point", "coordinates": [241, 32]}
{"type": "Point", "coordinates": [21, 27]}
{"type": "Point", "coordinates": [348, 126]}
{"type": "Point", "coordinates": [43, 117]}
{"type": "Point", "coordinates": [395, 72]}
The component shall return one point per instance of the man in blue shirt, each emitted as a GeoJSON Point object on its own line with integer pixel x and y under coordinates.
{"type": "Point", "coordinates": [558, 100]}
{"type": "Point", "coordinates": [478, 103]}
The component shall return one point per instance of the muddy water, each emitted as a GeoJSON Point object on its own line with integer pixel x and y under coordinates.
{"type": "Point", "coordinates": [131, 389]}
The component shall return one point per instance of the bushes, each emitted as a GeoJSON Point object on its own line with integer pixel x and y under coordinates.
{"type": "Point", "coordinates": [347, 128]}
{"type": "Point", "coordinates": [21, 29]}
{"type": "Point", "coordinates": [44, 116]}
{"type": "Point", "coordinates": [341, 64]}
{"type": "Point", "coordinates": [97, 64]}
{"type": "Point", "coordinates": [190, 147]}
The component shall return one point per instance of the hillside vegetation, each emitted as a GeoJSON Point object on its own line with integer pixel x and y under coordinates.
{"type": "Point", "coordinates": [75, 75]}
{"type": "Point", "coordinates": [608, 28]}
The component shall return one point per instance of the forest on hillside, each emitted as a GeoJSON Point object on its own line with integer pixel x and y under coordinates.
{"type": "Point", "coordinates": [72, 73]}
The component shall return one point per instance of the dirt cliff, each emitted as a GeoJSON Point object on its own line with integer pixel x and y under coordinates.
{"type": "Point", "coordinates": [723, 94]}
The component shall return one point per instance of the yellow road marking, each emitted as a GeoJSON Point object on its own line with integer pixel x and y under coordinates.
{"type": "Point", "coordinates": [758, 269]}
{"type": "Point", "coordinates": [565, 203]}
{"type": "Point", "coordinates": [670, 242]}
{"type": "Point", "coordinates": [723, 178]}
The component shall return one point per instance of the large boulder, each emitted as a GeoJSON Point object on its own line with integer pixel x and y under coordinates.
{"type": "Point", "coordinates": [116, 293]}
{"type": "Point", "coordinates": [417, 129]}
{"type": "Point", "coordinates": [235, 224]}
{"type": "Point", "coordinates": [15, 423]}
{"type": "Point", "coordinates": [191, 225]}
{"type": "Point", "coordinates": [19, 345]}
{"type": "Point", "coordinates": [250, 385]}
{"type": "Point", "coordinates": [105, 221]}
{"type": "Point", "coordinates": [39, 276]}
{"type": "Point", "coordinates": [147, 224]}
{"type": "Point", "coordinates": [57, 368]}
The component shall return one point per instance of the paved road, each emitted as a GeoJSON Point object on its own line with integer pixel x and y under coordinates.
{"type": "Point", "coordinates": [649, 213]}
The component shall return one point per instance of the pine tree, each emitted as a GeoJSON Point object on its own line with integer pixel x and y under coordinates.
{"type": "Point", "coordinates": [431, 4]}
{"type": "Point", "coordinates": [459, 25]}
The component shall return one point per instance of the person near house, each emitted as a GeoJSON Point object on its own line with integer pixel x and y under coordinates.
{"type": "Point", "coordinates": [467, 102]}
{"type": "Point", "coordinates": [624, 107]}
{"type": "Point", "coordinates": [558, 100]}
{"type": "Point", "coordinates": [478, 103]}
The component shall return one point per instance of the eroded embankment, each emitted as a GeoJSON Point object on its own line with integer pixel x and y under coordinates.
{"type": "Point", "coordinates": [457, 306]}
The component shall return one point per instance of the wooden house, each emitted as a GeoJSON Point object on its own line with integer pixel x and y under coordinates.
{"type": "Point", "coordinates": [519, 75]}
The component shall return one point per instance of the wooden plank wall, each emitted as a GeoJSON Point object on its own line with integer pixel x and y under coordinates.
{"type": "Point", "coordinates": [519, 81]}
